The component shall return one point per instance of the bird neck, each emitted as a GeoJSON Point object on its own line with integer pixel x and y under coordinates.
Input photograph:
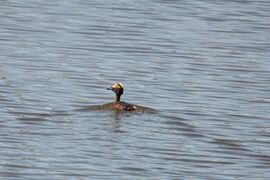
{"type": "Point", "coordinates": [117, 98]}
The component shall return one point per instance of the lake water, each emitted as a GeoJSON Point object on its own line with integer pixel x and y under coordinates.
{"type": "Point", "coordinates": [202, 65]}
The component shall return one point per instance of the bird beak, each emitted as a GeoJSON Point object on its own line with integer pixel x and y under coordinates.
{"type": "Point", "coordinates": [109, 88]}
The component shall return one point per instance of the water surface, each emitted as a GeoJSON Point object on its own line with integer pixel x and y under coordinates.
{"type": "Point", "coordinates": [203, 65]}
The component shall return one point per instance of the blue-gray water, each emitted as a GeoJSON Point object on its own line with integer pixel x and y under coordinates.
{"type": "Point", "coordinates": [203, 65]}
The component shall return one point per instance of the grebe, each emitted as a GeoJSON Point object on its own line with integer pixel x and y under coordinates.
{"type": "Point", "coordinates": [118, 89]}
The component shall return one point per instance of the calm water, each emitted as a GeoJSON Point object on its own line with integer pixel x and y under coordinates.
{"type": "Point", "coordinates": [203, 65]}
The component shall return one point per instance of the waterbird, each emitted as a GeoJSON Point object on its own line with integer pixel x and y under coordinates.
{"type": "Point", "coordinates": [118, 89]}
